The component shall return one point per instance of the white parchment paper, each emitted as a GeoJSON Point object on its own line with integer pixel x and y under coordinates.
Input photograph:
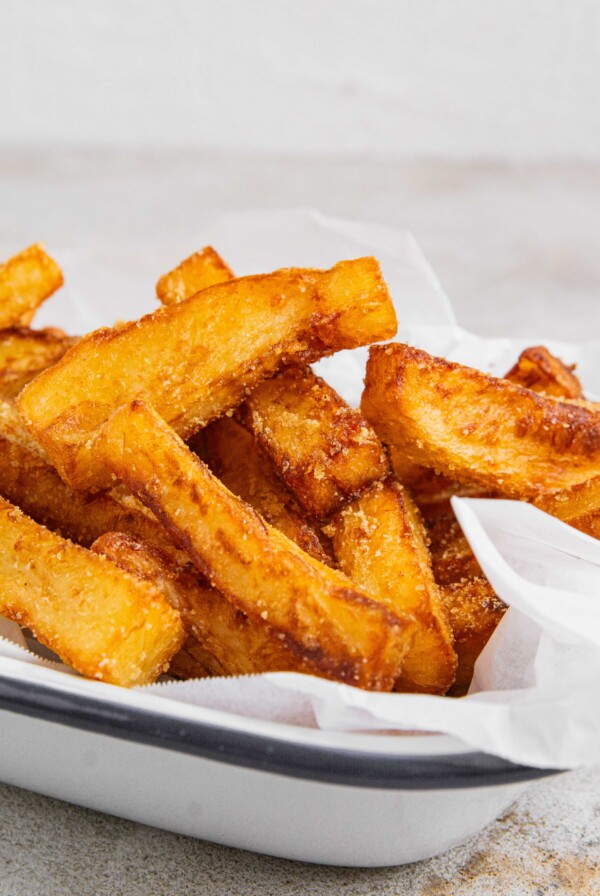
{"type": "Point", "coordinates": [534, 697]}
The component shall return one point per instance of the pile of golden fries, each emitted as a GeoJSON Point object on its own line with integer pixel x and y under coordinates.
{"type": "Point", "coordinates": [200, 503]}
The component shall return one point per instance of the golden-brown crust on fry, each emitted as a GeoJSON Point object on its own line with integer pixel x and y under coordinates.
{"type": "Point", "coordinates": [233, 455]}
{"type": "Point", "coordinates": [311, 608]}
{"type": "Point", "coordinates": [100, 620]}
{"type": "Point", "coordinates": [431, 491]}
{"type": "Point", "coordinates": [477, 428]}
{"type": "Point", "coordinates": [29, 481]}
{"type": "Point", "coordinates": [322, 449]}
{"type": "Point", "coordinates": [579, 506]}
{"type": "Point", "coordinates": [379, 541]}
{"type": "Point", "coordinates": [451, 555]}
{"type": "Point", "coordinates": [474, 610]}
{"type": "Point", "coordinates": [24, 353]}
{"type": "Point", "coordinates": [193, 364]}
{"type": "Point", "coordinates": [192, 275]}
{"type": "Point", "coordinates": [26, 280]}
{"type": "Point", "coordinates": [222, 640]}
{"type": "Point", "coordinates": [538, 369]}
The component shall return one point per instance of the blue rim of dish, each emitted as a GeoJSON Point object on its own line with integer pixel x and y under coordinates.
{"type": "Point", "coordinates": [313, 762]}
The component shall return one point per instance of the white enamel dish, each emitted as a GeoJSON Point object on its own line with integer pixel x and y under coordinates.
{"type": "Point", "coordinates": [283, 790]}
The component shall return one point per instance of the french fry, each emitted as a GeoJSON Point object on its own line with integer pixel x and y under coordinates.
{"type": "Point", "coordinates": [476, 428]}
{"type": "Point", "coordinates": [322, 449]}
{"type": "Point", "coordinates": [222, 640]}
{"type": "Point", "coordinates": [579, 506]}
{"type": "Point", "coordinates": [541, 371]}
{"type": "Point", "coordinates": [536, 369]}
{"type": "Point", "coordinates": [234, 456]}
{"type": "Point", "coordinates": [28, 480]}
{"type": "Point", "coordinates": [26, 280]}
{"type": "Point", "coordinates": [379, 541]}
{"type": "Point", "coordinates": [103, 622]}
{"type": "Point", "coordinates": [473, 611]}
{"type": "Point", "coordinates": [199, 271]}
{"type": "Point", "coordinates": [309, 607]}
{"type": "Point", "coordinates": [451, 555]}
{"type": "Point", "coordinates": [24, 353]}
{"type": "Point", "coordinates": [192, 364]}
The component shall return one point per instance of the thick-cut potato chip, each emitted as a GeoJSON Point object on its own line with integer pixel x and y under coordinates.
{"type": "Point", "coordinates": [537, 369]}
{"type": "Point", "coordinates": [28, 480]}
{"type": "Point", "coordinates": [476, 428]}
{"type": "Point", "coordinates": [199, 271]}
{"type": "Point", "coordinates": [222, 640]}
{"type": "Point", "coordinates": [24, 353]}
{"type": "Point", "coordinates": [193, 364]}
{"type": "Point", "coordinates": [323, 449]}
{"type": "Point", "coordinates": [309, 607]}
{"type": "Point", "coordinates": [26, 280]}
{"type": "Point", "coordinates": [101, 621]}
{"type": "Point", "coordinates": [473, 610]}
{"type": "Point", "coordinates": [233, 456]}
{"type": "Point", "coordinates": [451, 555]}
{"type": "Point", "coordinates": [579, 506]}
{"type": "Point", "coordinates": [540, 370]}
{"type": "Point", "coordinates": [379, 541]}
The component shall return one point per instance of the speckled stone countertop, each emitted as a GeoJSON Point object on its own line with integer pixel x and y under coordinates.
{"type": "Point", "coordinates": [516, 249]}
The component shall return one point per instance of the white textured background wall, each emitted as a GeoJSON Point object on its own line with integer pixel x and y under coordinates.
{"type": "Point", "coordinates": [508, 79]}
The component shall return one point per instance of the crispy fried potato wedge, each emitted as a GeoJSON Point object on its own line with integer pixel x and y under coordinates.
{"type": "Point", "coordinates": [322, 449]}
{"type": "Point", "coordinates": [233, 456]}
{"type": "Point", "coordinates": [199, 271]}
{"type": "Point", "coordinates": [26, 280]}
{"type": "Point", "coordinates": [28, 480]}
{"type": "Point", "coordinates": [379, 541]}
{"type": "Point", "coordinates": [476, 428]}
{"type": "Point", "coordinates": [536, 369]}
{"type": "Point", "coordinates": [309, 607]}
{"type": "Point", "coordinates": [222, 640]}
{"type": "Point", "coordinates": [192, 364]}
{"type": "Point", "coordinates": [540, 370]}
{"type": "Point", "coordinates": [579, 506]}
{"type": "Point", "coordinates": [474, 610]}
{"type": "Point", "coordinates": [98, 619]}
{"type": "Point", "coordinates": [451, 555]}
{"type": "Point", "coordinates": [24, 353]}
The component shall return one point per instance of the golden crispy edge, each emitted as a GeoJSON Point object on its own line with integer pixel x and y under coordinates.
{"type": "Point", "coordinates": [536, 369]}
{"type": "Point", "coordinates": [451, 555]}
{"type": "Point", "coordinates": [379, 541]}
{"type": "Point", "coordinates": [24, 353]}
{"type": "Point", "coordinates": [100, 620]}
{"type": "Point", "coordinates": [236, 459]}
{"type": "Point", "coordinates": [474, 611]}
{"type": "Point", "coordinates": [193, 274]}
{"type": "Point", "coordinates": [26, 280]}
{"type": "Point", "coordinates": [323, 450]}
{"type": "Point", "coordinates": [189, 360]}
{"type": "Point", "coordinates": [29, 481]}
{"type": "Point", "coordinates": [477, 428]}
{"type": "Point", "coordinates": [541, 371]}
{"type": "Point", "coordinates": [310, 607]}
{"type": "Point", "coordinates": [579, 506]}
